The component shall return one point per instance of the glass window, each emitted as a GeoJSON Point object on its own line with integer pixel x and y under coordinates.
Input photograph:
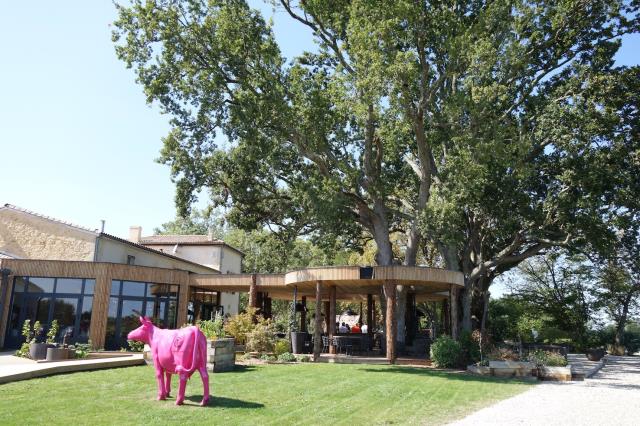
{"type": "Point", "coordinates": [69, 285]}
{"type": "Point", "coordinates": [40, 285]}
{"type": "Point", "coordinates": [172, 317]}
{"type": "Point", "coordinates": [20, 284]}
{"type": "Point", "coordinates": [85, 319]}
{"type": "Point", "coordinates": [133, 288]}
{"type": "Point", "coordinates": [130, 319]}
{"type": "Point", "coordinates": [110, 340]}
{"type": "Point", "coordinates": [15, 327]}
{"type": "Point", "coordinates": [37, 309]}
{"type": "Point", "coordinates": [156, 309]}
{"type": "Point", "coordinates": [115, 288]}
{"type": "Point", "coordinates": [64, 310]}
{"type": "Point", "coordinates": [89, 285]}
{"type": "Point", "coordinates": [157, 290]}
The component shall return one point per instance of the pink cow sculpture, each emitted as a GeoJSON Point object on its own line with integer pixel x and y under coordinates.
{"type": "Point", "coordinates": [179, 352]}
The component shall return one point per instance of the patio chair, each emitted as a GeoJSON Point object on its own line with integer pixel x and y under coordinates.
{"type": "Point", "coordinates": [325, 344]}
{"type": "Point", "coordinates": [343, 345]}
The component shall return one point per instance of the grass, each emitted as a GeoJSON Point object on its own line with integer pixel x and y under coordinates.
{"type": "Point", "coordinates": [267, 394]}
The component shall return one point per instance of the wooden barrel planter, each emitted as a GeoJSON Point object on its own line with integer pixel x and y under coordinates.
{"type": "Point", "coordinates": [57, 354]}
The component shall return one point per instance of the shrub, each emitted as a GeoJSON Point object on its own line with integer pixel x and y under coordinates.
{"type": "Point", "coordinates": [281, 346]}
{"type": "Point", "coordinates": [261, 338]}
{"type": "Point", "coordinates": [267, 357]}
{"type": "Point", "coordinates": [287, 357]}
{"type": "Point", "coordinates": [212, 329]}
{"type": "Point", "coordinates": [82, 349]}
{"type": "Point", "coordinates": [446, 352]}
{"type": "Point", "coordinates": [469, 349]}
{"type": "Point", "coordinates": [547, 359]}
{"type": "Point", "coordinates": [239, 326]}
{"type": "Point", "coordinates": [305, 358]}
{"type": "Point", "coordinates": [135, 346]}
{"type": "Point", "coordinates": [503, 354]}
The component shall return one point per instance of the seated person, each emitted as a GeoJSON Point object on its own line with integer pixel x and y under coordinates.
{"type": "Point", "coordinates": [343, 328]}
{"type": "Point", "coordinates": [356, 328]}
{"type": "Point", "coordinates": [365, 328]}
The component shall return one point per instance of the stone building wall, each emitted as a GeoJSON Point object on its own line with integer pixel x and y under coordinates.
{"type": "Point", "coordinates": [32, 237]}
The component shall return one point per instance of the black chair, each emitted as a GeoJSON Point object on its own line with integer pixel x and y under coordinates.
{"type": "Point", "coordinates": [343, 344]}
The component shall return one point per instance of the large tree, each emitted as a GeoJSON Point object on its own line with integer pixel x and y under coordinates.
{"type": "Point", "coordinates": [471, 127]}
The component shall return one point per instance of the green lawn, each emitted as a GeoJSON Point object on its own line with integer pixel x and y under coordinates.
{"type": "Point", "coordinates": [270, 394]}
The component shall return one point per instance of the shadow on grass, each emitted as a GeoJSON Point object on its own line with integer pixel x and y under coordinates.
{"type": "Point", "coordinates": [222, 402]}
{"type": "Point", "coordinates": [452, 375]}
{"type": "Point", "coordinates": [241, 369]}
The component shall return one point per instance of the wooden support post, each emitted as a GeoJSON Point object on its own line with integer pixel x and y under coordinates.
{"type": "Point", "coordinates": [370, 314]}
{"type": "Point", "coordinates": [392, 322]}
{"type": "Point", "coordinates": [326, 311]}
{"type": "Point", "coordinates": [374, 315]}
{"type": "Point", "coordinates": [317, 340]}
{"type": "Point", "coordinates": [332, 318]}
{"type": "Point", "coordinates": [253, 292]}
{"type": "Point", "coordinates": [303, 314]}
{"type": "Point", "coordinates": [453, 309]}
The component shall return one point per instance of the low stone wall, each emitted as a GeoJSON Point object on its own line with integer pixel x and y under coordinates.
{"type": "Point", "coordinates": [221, 355]}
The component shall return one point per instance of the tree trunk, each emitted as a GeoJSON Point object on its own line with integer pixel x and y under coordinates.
{"type": "Point", "coordinates": [466, 298]}
{"type": "Point", "coordinates": [401, 311]}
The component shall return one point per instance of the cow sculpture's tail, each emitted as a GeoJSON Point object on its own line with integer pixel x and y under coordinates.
{"type": "Point", "coordinates": [181, 369]}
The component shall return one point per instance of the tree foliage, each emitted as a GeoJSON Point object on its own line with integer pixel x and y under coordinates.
{"type": "Point", "coordinates": [491, 131]}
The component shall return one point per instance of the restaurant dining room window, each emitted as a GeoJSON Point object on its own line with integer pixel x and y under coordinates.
{"type": "Point", "coordinates": [129, 299]}
{"type": "Point", "coordinates": [44, 299]}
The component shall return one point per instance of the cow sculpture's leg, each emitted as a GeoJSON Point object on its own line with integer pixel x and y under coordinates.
{"type": "Point", "coordinates": [167, 383]}
{"type": "Point", "coordinates": [160, 377]}
{"type": "Point", "coordinates": [205, 385]}
{"type": "Point", "coordinates": [183, 384]}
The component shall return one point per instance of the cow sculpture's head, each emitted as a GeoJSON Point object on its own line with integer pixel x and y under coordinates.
{"type": "Point", "coordinates": [142, 333]}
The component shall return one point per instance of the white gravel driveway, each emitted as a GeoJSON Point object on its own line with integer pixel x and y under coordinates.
{"type": "Point", "coordinates": [611, 397]}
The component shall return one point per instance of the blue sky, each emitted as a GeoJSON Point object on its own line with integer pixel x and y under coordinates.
{"type": "Point", "coordinates": [77, 140]}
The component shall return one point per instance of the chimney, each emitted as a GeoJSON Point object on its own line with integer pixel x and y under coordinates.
{"type": "Point", "coordinates": [135, 234]}
{"type": "Point", "coordinates": [210, 234]}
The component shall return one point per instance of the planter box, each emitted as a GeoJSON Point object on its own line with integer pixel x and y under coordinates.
{"type": "Point", "coordinates": [147, 355]}
{"type": "Point", "coordinates": [481, 370]}
{"type": "Point", "coordinates": [555, 373]}
{"type": "Point", "coordinates": [512, 368]}
{"type": "Point", "coordinates": [57, 354]}
{"type": "Point", "coordinates": [221, 355]}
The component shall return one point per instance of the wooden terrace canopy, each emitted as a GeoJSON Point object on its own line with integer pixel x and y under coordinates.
{"type": "Point", "coordinates": [343, 283]}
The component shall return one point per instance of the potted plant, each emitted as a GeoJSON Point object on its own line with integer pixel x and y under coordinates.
{"type": "Point", "coordinates": [595, 354]}
{"type": "Point", "coordinates": [37, 348]}
{"type": "Point", "coordinates": [55, 353]}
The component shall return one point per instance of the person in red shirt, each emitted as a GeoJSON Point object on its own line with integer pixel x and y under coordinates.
{"type": "Point", "coordinates": [356, 328]}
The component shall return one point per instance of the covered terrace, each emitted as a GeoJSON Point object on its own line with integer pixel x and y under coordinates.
{"type": "Point", "coordinates": [328, 284]}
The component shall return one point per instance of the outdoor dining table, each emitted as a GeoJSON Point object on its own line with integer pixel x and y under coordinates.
{"type": "Point", "coordinates": [351, 342]}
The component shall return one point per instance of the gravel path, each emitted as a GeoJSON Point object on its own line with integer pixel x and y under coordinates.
{"type": "Point", "coordinates": [611, 397]}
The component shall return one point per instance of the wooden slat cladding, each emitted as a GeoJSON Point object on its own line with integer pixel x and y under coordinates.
{"type": "Point", "coordinates": [310, 275]}
{"type": "Point", "coordinates": [103, 273]}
